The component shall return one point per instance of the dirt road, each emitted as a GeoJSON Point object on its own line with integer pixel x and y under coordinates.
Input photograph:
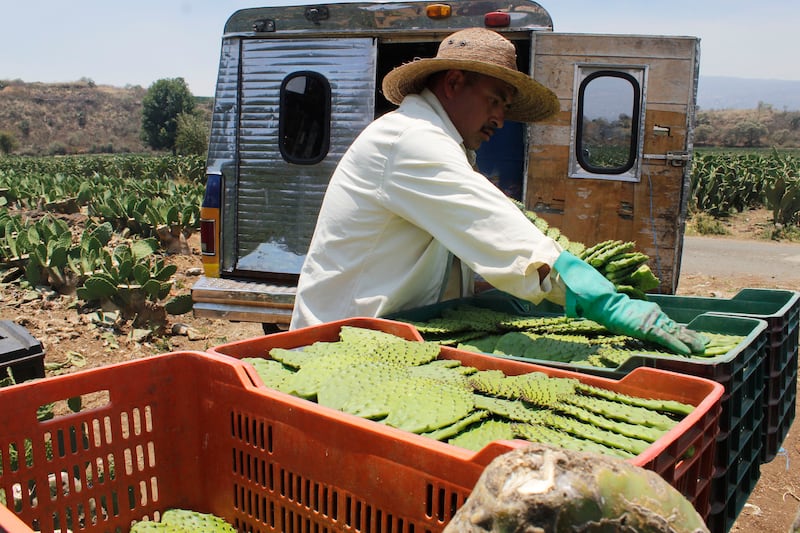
{"type": "Point", "coordinates": [775, 262]}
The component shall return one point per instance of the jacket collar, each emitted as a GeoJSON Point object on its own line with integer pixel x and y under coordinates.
{"type": "Point", "coordinates": [428, 99]}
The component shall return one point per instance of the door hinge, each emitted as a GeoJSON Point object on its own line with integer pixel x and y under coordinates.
{"type": "Point", "coordinates": [674, 158]}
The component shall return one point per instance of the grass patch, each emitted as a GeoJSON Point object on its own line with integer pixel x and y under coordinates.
{"type": "Point", "coordinates": [779, 232]}
{"type": "Point", "coordinates": [705, 224]}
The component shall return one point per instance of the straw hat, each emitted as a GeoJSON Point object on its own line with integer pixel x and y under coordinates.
{"type": "Point", "coordinates": [476, 50]}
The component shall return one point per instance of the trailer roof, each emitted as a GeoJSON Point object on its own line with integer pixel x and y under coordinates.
{"type": "Point", "coordinates": [382, 17]}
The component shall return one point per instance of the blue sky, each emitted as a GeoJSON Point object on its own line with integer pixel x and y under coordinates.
{"type": "Point", "coordinates": [137, 42]}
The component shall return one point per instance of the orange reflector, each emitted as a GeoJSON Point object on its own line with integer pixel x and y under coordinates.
{"type": "Point", "coordinates": [437, 11]}
{"type": "Point", "coordinates": [497, 19]}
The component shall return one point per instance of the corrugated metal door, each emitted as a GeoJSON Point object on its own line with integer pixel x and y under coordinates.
{"type": "Point", "coordinates": [277, 201]}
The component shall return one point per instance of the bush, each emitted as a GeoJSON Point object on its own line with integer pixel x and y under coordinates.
{"type": "Point", "coordinates": [8, 143]}
{"type": "Point", "coordinates": [705, 224]}
{"type": "Point", "coordinates": [56, 148]}
{"type": "Point", "coordinates": [779, 232]}
{"type": "Point", "coordinates": [192, 137]}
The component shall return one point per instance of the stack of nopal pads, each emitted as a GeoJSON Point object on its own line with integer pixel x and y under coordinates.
{"type": "Point", "coordinates": [402, 384]}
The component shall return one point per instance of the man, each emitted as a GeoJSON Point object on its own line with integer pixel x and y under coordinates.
{"type": "Point", "coordinates": [406, 220]}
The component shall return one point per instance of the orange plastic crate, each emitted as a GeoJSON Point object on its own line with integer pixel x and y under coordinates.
{"type": "Point", "coordinates": [198, 431]}
{"type": "Point", "coordinates": [684, 457]}
{"type": "Point", "coordinates": [192, 430]}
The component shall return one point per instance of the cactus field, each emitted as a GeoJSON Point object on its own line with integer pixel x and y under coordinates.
{"type": "Point", "coordinates": [726, 183]}
{"type": "Point", "coordinates": [98, 254]}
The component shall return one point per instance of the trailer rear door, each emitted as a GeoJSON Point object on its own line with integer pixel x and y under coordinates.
{"type": "Point", "coordinates": [302, 103]}
{"type": "Point", "coordinates": [614, 164]}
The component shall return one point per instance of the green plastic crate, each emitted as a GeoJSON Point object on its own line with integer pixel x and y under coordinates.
{"type": "Point", "coordinates": [780, 309]}
{"type": "Point", "coordinates": [731, 488]}
{"type": "Point", "coordinates": [740, 371]}
{"type": "Point", "coordinates": [780, 412]}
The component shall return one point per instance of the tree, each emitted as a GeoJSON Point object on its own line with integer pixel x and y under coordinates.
{"type": "Point", "coordinates": [8, 143]}
{"type": "Point", "coordinates": [748, 133]}
{"type": "Point", "coordinates": [781, 137]}
{"type": "Point", "coordinates": [192, 137]}
{"type": "Point", "coordinates": [164, 101]}
{"type": "Point", "coordinates": [704, 134]}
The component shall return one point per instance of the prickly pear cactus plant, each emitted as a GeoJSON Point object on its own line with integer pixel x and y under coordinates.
{"type": "Point", "coordinates": [546, 489]}
{"type": "Point", "coordinates": [618, 261]}
{"type": "Point", "coordinates": [184, 521]}
{"type": "Point", "coordinates": [552, 338]}
{"type": "Point", "coordinates": [402, 384]}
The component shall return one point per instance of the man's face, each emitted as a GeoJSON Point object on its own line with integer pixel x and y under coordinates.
{"type": "Point", "coordinates": [477, 106]}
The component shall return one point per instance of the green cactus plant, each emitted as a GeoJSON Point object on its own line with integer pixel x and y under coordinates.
{"type": "Point", "coordinates": [50, 240]}
{"type": "Point", "coordinates": [85, 258]}
{"type": "Point", "coordinates": [14, 239]}
{"type": "Point", "coordinates": [133, 280]}
{"type": "Point", "coordinates": [783, 198]}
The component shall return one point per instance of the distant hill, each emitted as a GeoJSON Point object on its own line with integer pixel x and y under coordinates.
{"type": "Point", "coordinates": [76, 117]}
{"type": "Point", "coordinates": [82, 117]}
{"type": "Point", "coordinates": [719, 92]}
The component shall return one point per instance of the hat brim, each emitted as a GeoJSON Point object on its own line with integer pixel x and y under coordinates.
{"type": "Point", "coordinates": [533, 101]}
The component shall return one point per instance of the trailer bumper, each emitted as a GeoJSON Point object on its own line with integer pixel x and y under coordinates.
{"type": "Point", "coordinates": [243, 301]}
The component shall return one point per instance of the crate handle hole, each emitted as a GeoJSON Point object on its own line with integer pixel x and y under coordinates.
{"type": "Point", "coordinates": [72, 405]}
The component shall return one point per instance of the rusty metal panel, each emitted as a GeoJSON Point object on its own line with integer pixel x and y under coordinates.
{"type": "Point", "coordinates": [671, 61]}
{"type": "Point", "coordinates": [599, 46]}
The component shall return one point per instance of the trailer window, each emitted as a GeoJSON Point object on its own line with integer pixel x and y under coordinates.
{"type": "Point", "coordinates": [305, 118]}
{"type": "Point", "coordinates": [607, 123]}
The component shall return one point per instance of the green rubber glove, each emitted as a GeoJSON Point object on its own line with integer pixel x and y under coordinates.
{"type": "Point", "coordinates": [590, 295]}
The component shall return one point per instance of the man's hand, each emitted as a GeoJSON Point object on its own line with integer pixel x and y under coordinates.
{"type": "Point", "coordinates": [590, 295]}
{"type": "Point", "coordinates": [645, 320]}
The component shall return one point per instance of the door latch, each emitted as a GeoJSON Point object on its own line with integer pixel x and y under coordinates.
{"type": "Point", "coordinates": [674, 158]}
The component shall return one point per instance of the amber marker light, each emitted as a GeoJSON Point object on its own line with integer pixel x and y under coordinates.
{"type": "Point", "coordinates": [438, 11]}
{"type": "Point", "coordinates": [210, 225]}
{"type": "Point", "coordinates": [497, 19]}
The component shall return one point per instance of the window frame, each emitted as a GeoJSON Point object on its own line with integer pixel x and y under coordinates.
{"type": "Point", "coordinates": [282, 119]}
{"type": "Point", "coordinates": [636, 75]}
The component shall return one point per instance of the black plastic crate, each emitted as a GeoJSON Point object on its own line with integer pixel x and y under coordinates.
{"type": "Point", "coordinates": [732, 486]}
{"type": "Point", "coordinates": [741, 372]}
{"type": "Point", "coordinates": [20, 353]}
{"type": "Point", "coordinates": [780, 309]}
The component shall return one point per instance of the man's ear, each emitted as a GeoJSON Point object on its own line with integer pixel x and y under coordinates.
{"type": "Point", "coordinates": [453, 81]}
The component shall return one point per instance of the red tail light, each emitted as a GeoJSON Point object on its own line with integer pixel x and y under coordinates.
{"type": "Point", "coordinates": [208, 234]}
{"type": "Point", "coordinates": [497, 19]}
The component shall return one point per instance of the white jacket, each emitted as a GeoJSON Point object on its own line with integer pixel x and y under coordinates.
{"type": "Point", "coordinates": [402, 202]}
